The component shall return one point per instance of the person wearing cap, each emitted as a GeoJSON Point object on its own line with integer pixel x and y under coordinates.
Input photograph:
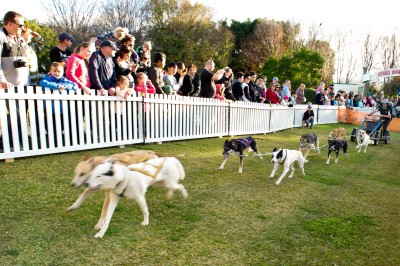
{"type": "Point", "coordinates": [101, 69]}
{"type": "Point", "coordinates": [386, 113]}
{"type": "Point", "coordinates": [61, 53]}
{"type": "Point", "coordinates": [308, 117]}
{"type": "Point", "coordinates": [275, 80]}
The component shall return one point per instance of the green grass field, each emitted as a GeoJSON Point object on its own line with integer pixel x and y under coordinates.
{"type": "Point", "coordinates": [342, 214]}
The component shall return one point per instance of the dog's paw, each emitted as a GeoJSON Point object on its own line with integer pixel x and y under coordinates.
{"type": "Point", "coordinates": [277, 183]}
{"type": "Point", "coordinates": [71, 208]}
{"type": "Point", "coordinates": [170, 194]}
{"type": "Point", "coordinates": [271, 176]}
{"type": "Point", "coordinates": [306, 161]}
{"type": "Point", "coordinates": [98, 226]}
{"type": "Point", "coordinates": [221, 168]}
{"type": "Point", "coordinates": [99, 235]}
{"type": "Point", "coordinates": [144, 223]}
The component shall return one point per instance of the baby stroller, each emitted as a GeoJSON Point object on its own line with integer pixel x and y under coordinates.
{"type": "Point", "coordinates": [373, 127]}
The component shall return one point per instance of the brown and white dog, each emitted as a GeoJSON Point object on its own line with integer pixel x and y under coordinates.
{"type": "Point", "coordinates": [363, 140]}
{"type": "Point", "coordinates": [132, 182]}
{"type": "Point", "coordinates": [339, 133]}
{"type": "Point", "coordinates": [86, 166]}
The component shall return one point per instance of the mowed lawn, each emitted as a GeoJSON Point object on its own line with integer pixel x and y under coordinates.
{"type": "Point", "coordinates": [342, 214]}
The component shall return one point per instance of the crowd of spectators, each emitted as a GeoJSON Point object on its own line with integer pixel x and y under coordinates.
{"type": "Point", "coordinates": [99, 63]}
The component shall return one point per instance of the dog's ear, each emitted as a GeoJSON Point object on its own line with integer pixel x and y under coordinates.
{"type": "Point", "coordinates": [110, 172]}
{"type": "Point", "coordinates": [226, 141]}
{"type": "Point", "coordinates": [274, 150]}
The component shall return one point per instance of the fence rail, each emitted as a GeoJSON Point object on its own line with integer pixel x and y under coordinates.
{"type": "Point", "coordinates": [35, 121]}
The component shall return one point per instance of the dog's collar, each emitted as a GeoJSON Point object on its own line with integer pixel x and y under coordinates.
{"type": "Point", "coordinates": [122, 194]}
{"type": "Point", "coordinates": [143, 171]}
{"type": "Point", "coordinates": [284, 159]}
{"type": "Point", "coordinates": [125, 186]}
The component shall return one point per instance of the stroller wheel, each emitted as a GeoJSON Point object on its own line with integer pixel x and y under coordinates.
{"type": "Point", "coordinates": [376, 138]}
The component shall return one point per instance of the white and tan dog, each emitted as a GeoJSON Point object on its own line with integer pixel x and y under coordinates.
{"type": "Point", "coordinates": [86, 166]}
{"type": "Point", "coordinates": [132, 182]}
{"type": "Point", "coordinates": [363, 140]}
{"type": "Point", "coordinates": [286, 158]}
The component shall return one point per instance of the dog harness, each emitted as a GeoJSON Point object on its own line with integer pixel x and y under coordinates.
{"type": "Point", "coordinates": [143, 171]}
{"type": "Point", "coordinates": [244, 141]}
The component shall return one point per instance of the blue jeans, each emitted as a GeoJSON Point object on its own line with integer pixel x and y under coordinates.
{"type": "Point", "coordinates": [309, 121]}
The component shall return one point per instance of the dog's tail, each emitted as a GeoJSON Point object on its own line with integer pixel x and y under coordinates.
{"type": "Point", "coordinates": [181, 169]}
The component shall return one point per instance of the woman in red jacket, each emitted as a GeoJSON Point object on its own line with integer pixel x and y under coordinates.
{"type": "Point", "coordinates": [272, 97]}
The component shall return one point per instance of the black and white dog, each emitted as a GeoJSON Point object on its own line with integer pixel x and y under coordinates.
{"type": "Point", "coordinates": [335, 145]}
{"type": "Point", "coordinates": [238, 146]}
{"type": "Point", "coordinates": [286, 158]}
{"type": "Point", "coordinates": [307, 142]}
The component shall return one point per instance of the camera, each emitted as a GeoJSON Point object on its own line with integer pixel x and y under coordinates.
{"type": "Point", "coordinates": [20, 63]}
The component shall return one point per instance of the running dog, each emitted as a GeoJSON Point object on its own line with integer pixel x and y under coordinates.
{"type": "Point", "coordinates": [286, 158]}
{"type": "Point", "coordinates": [335, 145]}
{"type": "Point", "coordinates": [339, 133]}
{"type": "Point", "coordinates": [238, 146]}
{"type": "Point", "coordinates": [132, 182]}
{"type": "Point", "coordinates": [86, 166]}
{"type": "Point", "coordinates": [307, 142]}
{"type": "Point", "coordinates": [363, 140]}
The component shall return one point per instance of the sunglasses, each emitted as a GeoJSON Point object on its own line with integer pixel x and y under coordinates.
{"type": "Point", "coordinates": [19, 25]}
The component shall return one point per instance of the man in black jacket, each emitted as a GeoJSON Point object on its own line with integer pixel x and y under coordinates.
{"type": "Point", "coordinates": [101, 69]}
{"type": "Point", "coordinates": [308, 117]}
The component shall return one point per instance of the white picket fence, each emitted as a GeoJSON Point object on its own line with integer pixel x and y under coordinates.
{"type": "Point", "coordinates": [35, 121]}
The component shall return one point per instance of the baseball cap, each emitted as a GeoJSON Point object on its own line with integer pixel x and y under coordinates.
{"type": "Point", "coordinates": [109, 44]}
{"type": "Point", "coordinates": [285, 97]}
{"type": "Point", "coordinates": [65, 36]}
{"type": "Point", "coordinates": [309, 106]}
{"type": "Point", "coordinates": [275, 78]}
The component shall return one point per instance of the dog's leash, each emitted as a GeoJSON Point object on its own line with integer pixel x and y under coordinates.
{"type": "Point", "coordinates": [252, 155]}
{"type": "Point", "coordinates": [315, 149]}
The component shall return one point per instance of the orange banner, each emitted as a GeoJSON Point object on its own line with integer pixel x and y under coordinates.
{"type": "Point", "coordinates": [356, 117]}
